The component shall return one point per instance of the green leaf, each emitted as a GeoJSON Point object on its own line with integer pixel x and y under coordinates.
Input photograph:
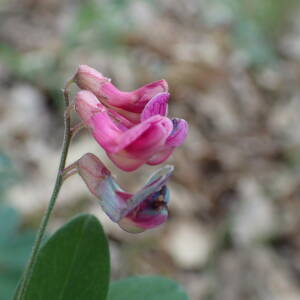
{"type": "Point", "coordinates": [146, 288]}
{"type": "Point", "coordinates": [73, 263]}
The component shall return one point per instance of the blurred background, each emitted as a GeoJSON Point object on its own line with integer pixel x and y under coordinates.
{"type": "Point", "coordinates": [233, 67]}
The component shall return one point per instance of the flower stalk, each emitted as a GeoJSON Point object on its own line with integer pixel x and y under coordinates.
{"type": "Point", "coordinates": [21, 291]}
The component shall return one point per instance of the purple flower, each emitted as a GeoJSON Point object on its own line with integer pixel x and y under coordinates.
{"type": "Point", "coordinates": [134, 213]}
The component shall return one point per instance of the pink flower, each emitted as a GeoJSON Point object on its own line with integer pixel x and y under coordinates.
{"type": "Point", "coordinates": [127, 144]}
{"type": "Point", "coordinates": [133, 212]}
{"type": "Point", "coordinates": [128, 104]}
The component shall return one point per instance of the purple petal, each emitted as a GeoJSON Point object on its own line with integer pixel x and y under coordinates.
{"type": "Point", "coordinates": [112, 198]}
{"type": "Point", "coordinates": [150, 213]}
{"type": "Point", "coordinates": [158, 105]}
{"type": "Point", "coordinates": [141, 224]}
{"type": "Point", "coordinates": [134, 213]}
{"type": "Point", "coordinates": [101, 184]}
{"type": "Point", "coordinates": [178, 134]}
{"type": "Point", "coordinates": [154, 184]}
{"type": "Point", "coordinates": [92, 171]}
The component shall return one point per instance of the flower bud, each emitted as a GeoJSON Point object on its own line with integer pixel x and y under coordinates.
{"type": "Point", "coordinates": [88, 78]}
{"type": "Point", "coordinates": [128, 104]}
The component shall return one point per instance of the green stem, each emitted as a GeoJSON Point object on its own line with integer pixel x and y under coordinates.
{"type": "Point", "coordinates": [21, 291]}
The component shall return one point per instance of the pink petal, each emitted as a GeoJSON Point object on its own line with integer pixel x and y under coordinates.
{"type": "Point", "coordinates": [110, 136]}
{"type": "Point", "coordinates": [132, 148]}
{"type": "Point", "coordinates": [134, 118]}
{"type": "Point", "coordinates": [151, 140]}
{"type": "Point", "coordinates": [147, 92]}
{"type": "Point", "coordinates": [126, 162]}
{"type": "Point", "coordinates": [134, 101]}
{"type": "Point", "coordinates": [137, 226]}
{"type": "Point", "coordinates": [130, 104]}
{"type": "Point", "coordinates": [86, 105]}
{"type": "Point", "coordinates": [153, 131]}
{"type": "Point", "coordinates": [161, 156]}
{"type": "Point", "coordinates": [158, 105]}
{"type": "Point", "coordinates": [123, 123]}
{"type": "Point", "coordinates": [105, 131]}
{"type": "Point", "coordinates": [140, 147]}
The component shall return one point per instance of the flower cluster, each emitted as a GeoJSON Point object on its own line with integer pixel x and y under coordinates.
{"type": "Point", "coordinates": [133, 129]}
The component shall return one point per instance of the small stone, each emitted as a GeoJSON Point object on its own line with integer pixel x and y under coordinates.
{"type": "Point", "coordinates": [254, 216]}
{"type": "Point", "coordinates": [189, 244]}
